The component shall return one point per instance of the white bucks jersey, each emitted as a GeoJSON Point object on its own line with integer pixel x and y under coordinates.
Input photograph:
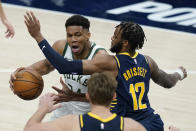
{"type": "Point", "coordinates": [77, 83]}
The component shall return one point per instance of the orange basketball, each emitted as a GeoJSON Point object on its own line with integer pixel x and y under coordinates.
{"type": "Point", "coordinates": [28, 85]}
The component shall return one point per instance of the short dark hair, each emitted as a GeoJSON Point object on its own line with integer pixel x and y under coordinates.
{"type": "Point", "coordinates": [134, 33]}
{"type": "Point", "coordinates": [101, 88]}
{"type": "Point", "coordinates": [78, 20]}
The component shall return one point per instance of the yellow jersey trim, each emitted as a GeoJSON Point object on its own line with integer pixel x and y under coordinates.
{"type": "Point", "coordinates": [101, 119]}
{"type": "Point", "coordinates": [135, 55]}
{"type": "Point", "coordinates": [121, 123]}
{"type": "Point", "coordinates": [117, 61]}
{"type": "Point", "coordinates": [81, 121]}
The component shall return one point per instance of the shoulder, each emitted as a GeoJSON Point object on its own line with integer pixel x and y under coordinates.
{"type": "Point", "coordinates": [103, 57]}
{"type": "Point", "coordinates": [101, 52]}
{"type": "Point", "coordinates": [99, 49]}
{"type": "Point", "coordinates": [153, 65]}
{"type": "Point", "coordinates": [106, 62]}
{"type": "Point", "coordinates": [68, 122]}
{"type": "Point", "coordinates": [59, 46]}
{"type": "Point", "coordinates": [130, 124]}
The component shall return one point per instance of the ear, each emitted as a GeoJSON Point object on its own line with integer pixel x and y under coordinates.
{"type": "Point", "coordinates": [114, 96]}
{"type": "Point", "coordinates": [87, 96]}
{"type": "Point", "coordinates": [125, 43]}
{"type": "Point", "coordinates": [88, 35]}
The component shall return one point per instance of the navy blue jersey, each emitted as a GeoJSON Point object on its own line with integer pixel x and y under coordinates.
{"type": "Point", "coordinates": [133, 86]}
{"type": "Point", "coordinates": [92, 122]}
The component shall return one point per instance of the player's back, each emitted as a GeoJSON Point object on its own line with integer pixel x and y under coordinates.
{"type": "Point", "coordinates": [133, 86]}
{"type": "Point", "coordinates": [92, 122]}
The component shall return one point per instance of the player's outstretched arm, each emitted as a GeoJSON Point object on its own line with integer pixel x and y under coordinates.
{"type": "Point", "coordinates": [164, 79]}
{"type": "Point", "coordinates": [46, 105]}
{"type": "Point", "coordinates": [63, 65]}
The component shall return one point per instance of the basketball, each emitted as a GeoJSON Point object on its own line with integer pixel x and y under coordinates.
{"type": "Point", "coordinates": [28, 84]}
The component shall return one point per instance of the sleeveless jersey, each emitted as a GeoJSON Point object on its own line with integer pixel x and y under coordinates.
{"type": "Point", "coordinates": [92, 122]}
{"type": "Point", "coordinates": [77, 83]}
{"type": "Point", "coordinates": [133, 86]}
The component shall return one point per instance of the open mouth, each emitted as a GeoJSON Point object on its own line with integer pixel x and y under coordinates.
{"type": "Point", "coordinates": [75, 49]}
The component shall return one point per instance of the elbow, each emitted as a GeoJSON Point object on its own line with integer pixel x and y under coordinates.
{"type": "Point", "coordinates": [169, 85]}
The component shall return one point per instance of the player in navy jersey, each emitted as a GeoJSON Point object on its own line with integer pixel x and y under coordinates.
{"type": "Point", "coordinates": [132, 70]}
{"type": "Point", "coordinates": [101, 91]}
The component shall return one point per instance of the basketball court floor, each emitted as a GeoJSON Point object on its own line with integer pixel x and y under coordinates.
{"type": "Point", "coordinates": [168, 48]}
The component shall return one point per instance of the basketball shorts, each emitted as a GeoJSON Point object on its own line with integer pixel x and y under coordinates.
{"type": "Point", "coordinates": [153, 123]}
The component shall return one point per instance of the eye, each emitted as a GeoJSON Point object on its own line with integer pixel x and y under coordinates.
{"type": "Point", "coordinates": [78, 34]}
{"type": "Point", "coordinates": [69, 35]}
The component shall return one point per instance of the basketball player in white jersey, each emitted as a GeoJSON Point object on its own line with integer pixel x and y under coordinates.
{"type": "Point", "coordinates": [76, 46]}
{"type": "Point", "coordinates": [76, 83]}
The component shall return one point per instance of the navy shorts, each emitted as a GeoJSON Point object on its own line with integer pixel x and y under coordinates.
{"type": "Point", "coordinates": [153, 123]}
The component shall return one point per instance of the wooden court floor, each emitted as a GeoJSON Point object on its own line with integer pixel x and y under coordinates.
{"type": "Point", "coordinates": [169, 49]}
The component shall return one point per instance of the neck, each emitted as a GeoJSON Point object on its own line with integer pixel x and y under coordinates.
{"type": "Point", "coordinates": [101, 111]}
{"type": "Point", "coordinates": [84, 53]}
{"type": "Point", "coordinates": [131, 53]}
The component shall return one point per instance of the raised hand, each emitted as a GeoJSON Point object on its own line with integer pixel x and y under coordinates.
{"type": "Point", "coordinates": [47, 103]}
{"type": "Point", "coordinates": [10, 29]}
{"type": "Point", "coordinates": [33, 26]}
{"type": "Point", "coordinates": [64, 94]}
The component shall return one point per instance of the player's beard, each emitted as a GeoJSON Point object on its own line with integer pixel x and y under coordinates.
{"type": "Point", "coordinates": [116, 48]}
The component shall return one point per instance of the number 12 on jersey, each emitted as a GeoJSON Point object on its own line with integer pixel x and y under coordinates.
{"type": "Point", "coordinates": [137, 102]}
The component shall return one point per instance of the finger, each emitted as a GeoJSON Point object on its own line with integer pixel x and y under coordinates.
{"type": "Point", "coordinates": [62, 82]}
{"type": "Point", "coordinates": [26, 23]}
{"type": "Point", "coordinates": [12, 33]}
{"type": "Point", "coordinates": [56, 106]}
{"type": "Point", "coordinates": [13, 77]}
{"type": "Point", "coordinates": [30, 17]}
{"type": "Point", "coordinates": [11, 84]}
{"type": "Point", "coordinates": [27, 19]}
{"type": "Point", "coordinates": [8, 35]}
{"type": "Point", "coordinates": [20, 68]}
{"type": "Point", "coordinates": [33, 17]}
{"type": "Point", "coordinates": [54, 97]}
{"type": "Point", "coordinates": [17, 70]}
{"type": "Point", "coordinates": [56, 102]}
{"type": "Point", "coordinates": [6, 31]}
{"type": "Point", "coordinates": [57, 89]}
{"type": "Point", "coordinates": [64, 99]}
{"type": "Point", "coordinates": [60, 100]}
{"type": "Point", "coordinates": [12, 89]}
